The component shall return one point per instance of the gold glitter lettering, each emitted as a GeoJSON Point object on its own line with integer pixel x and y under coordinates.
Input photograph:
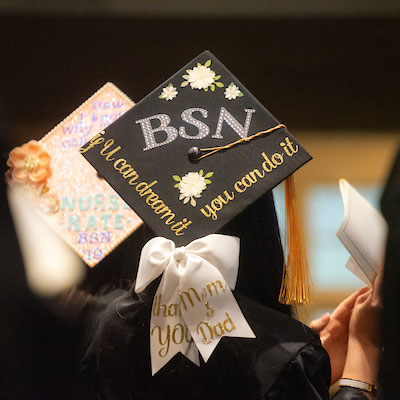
{"type": "Point", "coordinates": [151, 198]}
{"type": "Point", "coordinates": [257, 172]}
{"type": "Point", "coordinates": [267, 165]}
{"type": "Point", "coordinates": [216, 205]}
{"type": "Point", "coordinates": [208, 336]}
{"type": "Point", "coordinates": [163, 350]}
{"type": "Point", "coordinates": [277, 158]}
{"type": "Point", "coordinates": [209, 310]}
{"type": "Point", "coordinates": [106, 146]}
{"type": "Point", "coordinates": [237, 188]}
{"type": "Point", "coordinates": [170, 310]}
{"type": "Point", "coordinates": [182, 334]}
{"type": "Point", "coordinates": [209, 287]}
{"type": "Point", "coordinates": [247, 181]}
{"type": "Point", "coordinates": [132, 182]}
{"type": "Point", "coordinates": [232, 325]}
{"type": "Point", "coordinates": [120, 160]}
{"type": "Point", "coordinates": [159, 203]}
{"type": "Point", "coordinates": [179, 226]}
{"type": "Point", "coordinates": [211, 213]}
{"type": "Point", "coordinates": [218, 329]}
{"type": "Point", "coordinates": [173, 310]}
{"type": "Point", "coordinates": [142, 188]}
{"type": "Point", "coordinates": [288, 147]}
{"type": "Point", "coordinates": [94, 141]}
{"type": "Point", "coordinates": [189, 297]}
{"type": "Point", "coordinates": [170, 215]}
{"type": "Point", "coordinates": [208, 332]}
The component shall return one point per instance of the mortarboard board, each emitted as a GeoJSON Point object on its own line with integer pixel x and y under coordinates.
{"type": "Point", "coordinates": [195, 152]}
{"type": "Point", "coordinates": [79, 205]}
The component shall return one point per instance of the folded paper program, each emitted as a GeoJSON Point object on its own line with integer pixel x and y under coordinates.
{"type": "Point", "coordinates": [193, 305]}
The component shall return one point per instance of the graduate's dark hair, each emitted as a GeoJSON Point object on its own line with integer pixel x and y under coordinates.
{"type": "Point", "coordinates": [261, 256]}
{"type": "Point", "coordinates": [117, 360]}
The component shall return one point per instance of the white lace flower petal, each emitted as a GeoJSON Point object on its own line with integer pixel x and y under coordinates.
{"type": "Point", "coordinates": [192, 184]}
{"type": "Point", "coordinates": [200, 77]}
{"type": "Point", "coordinates": [169, 92]}
{"type": "Point", "coordinates": [231, 92]}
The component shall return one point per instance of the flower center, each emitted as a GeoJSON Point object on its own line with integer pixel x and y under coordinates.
{"type": "Point", "coordinates": [31, 164]}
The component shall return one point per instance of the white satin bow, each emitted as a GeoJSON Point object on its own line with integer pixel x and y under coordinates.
{"type": "Point", "coordinates": [193, 299]}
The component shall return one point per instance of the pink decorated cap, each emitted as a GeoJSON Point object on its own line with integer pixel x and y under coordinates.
{"type": "Point", "coordinates": [78, 204]}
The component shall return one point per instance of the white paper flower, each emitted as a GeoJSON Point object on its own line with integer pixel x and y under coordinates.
{"type": "Point", "coordinates": [168, 93]}
{"type": "Point", "coordinates": [191, 186]}
{"type": "Point", "coordinates": [232, 91]}
{"type": "Point", "coordinates": [202, 77]}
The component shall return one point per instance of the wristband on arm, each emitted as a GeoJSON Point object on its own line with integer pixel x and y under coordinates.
{"type": "Point", "coordinates": [354, 383]}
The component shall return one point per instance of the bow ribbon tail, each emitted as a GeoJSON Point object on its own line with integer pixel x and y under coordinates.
{"type": "Point", "coordinates": [168, 332]}
{"type": "Point", "coordinates": [208, 306]}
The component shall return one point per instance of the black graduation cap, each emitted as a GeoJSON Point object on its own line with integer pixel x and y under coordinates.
{"type": "Point", "coordinates": [195, 152]}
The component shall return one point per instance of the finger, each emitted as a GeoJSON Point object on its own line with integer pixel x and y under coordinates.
{"type": "Point", "coordinates": [343, 310]}
{"type": "Point", "coordinates": [324, 339]}
{"type": "Point", "coordinates": [376, 289]}
{"type": "Point", "coordinates": [364, 297]}
{"type": "Point", "coordinates": [318, 324]}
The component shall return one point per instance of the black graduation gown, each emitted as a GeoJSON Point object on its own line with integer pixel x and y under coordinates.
{"type": "Point", "coordinates": [285, 361]}
{"type": "Point", "coordinates": [390, 204]}
{"type": "Point", "coordinates": [39, 351]}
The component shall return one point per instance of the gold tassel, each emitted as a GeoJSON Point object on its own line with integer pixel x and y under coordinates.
{"type": "Point", "coordinates": [295, 287]}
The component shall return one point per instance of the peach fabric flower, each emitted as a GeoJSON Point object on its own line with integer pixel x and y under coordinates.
{"type": "Point", "coordinates": [29, 163]}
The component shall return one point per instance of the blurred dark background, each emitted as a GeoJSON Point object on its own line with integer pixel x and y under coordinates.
{"type": "Point", "coordinates": [323, 67]}
{"type": "Point", "coordinates": [326, 65]}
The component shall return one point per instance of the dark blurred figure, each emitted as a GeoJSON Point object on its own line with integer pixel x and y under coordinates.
{"type": "Point", "coordinates": [38, 348]}
{"type": "Point", "coordinates": [390, 204]}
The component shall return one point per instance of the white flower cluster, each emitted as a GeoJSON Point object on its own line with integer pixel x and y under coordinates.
{"type": "Point", "coordinates": [168, 93]}
{"type": "Point", "coordinates": [202, 77]}
{"type": "Point", "coordinates": [192, 185]}
{"type": "Point", "coordinates": [199, 77]}
{"type": "Point", "coordinates": [232, 91]}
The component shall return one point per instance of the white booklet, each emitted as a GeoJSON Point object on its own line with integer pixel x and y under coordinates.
{"type": "Point", "coordinates": [363, 232]}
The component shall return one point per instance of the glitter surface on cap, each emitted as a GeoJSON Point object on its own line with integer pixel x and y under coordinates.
{"type": "Point", "coordinates": [92, 218]}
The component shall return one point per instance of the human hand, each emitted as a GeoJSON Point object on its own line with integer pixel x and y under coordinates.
{"type": "Point", "coordinates": [364, 321]}
{"type": "Point", "coordinates": [364, 345]}
{"type": "Point", "coordinates": [364, 349]}
{"type": "Point", "coordinates": [334, 333]}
